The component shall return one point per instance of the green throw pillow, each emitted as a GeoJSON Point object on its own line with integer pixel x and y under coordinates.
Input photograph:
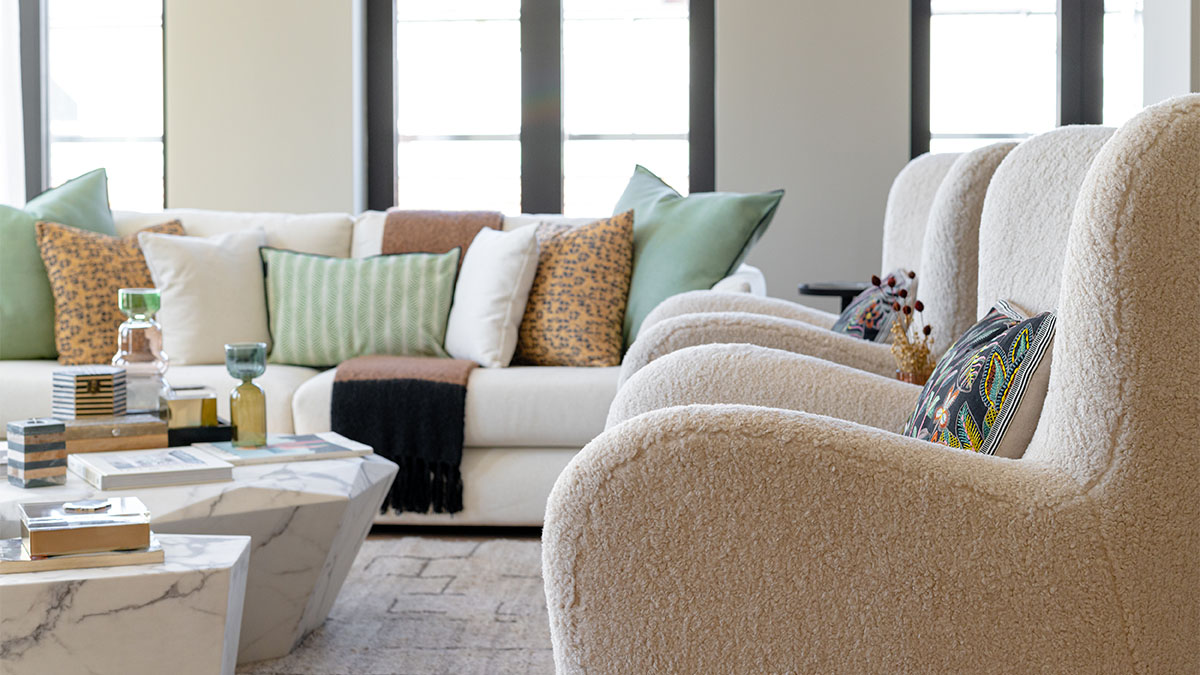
{"type": "Point", "coordinates": [686, 243]}
{"type": "Point", "coordinates": [26, 303]}
{"type": "Point", "coordinates": [325, 310]}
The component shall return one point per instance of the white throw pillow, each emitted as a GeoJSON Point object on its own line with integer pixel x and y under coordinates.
{"type": "Point", "coordinates": [212, 292]}
{"type": "Point", "coordinates": [490, 295]}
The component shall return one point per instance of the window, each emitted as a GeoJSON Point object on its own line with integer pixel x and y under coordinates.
{"type": "Point", "coordinates": [1008, 69]}
{"type": "Point", "coordinates": [458, 116]}
{"type": "Point", "coordinates": [104, 96]}
{"type": "Point", "coordinates": [617, 111]}
{"type": "Point", "coordinates": [992, 71]}
{"type": "Point", "coordinates": [1123, 59]}
{"type": "Point", "coordinates": [540, 105]}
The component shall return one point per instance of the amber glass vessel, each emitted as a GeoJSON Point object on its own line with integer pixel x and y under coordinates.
{"type": "Point", "coordinates": [247, 402]}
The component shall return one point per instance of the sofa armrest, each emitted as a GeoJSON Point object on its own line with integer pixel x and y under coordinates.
{"type": "Point", "coordinates": [694, 302]}
{"type": "Point", "coordinates": [745, 279]}
{"type": "Point", "coordinates": [742, 539]}
{"type": "Point", "coordinates": [690, 330]}
{"type": "Point", "coordinates": [772, 378]}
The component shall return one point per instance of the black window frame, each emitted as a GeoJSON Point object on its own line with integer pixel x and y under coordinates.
{"type": "Point", "coordinates": [541, 134]}
{"type": "Point", "coordinates": [1080, 68]}
{"type": "Point", "coordinates": [35, 108]}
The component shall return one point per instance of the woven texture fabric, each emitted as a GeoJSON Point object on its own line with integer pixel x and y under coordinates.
{"type": "Point", "coordinates": [86, 270]}
{"type": "Point", "coordinates": [577, 303]}
{"type": "Point", "coordinates": [326, 310]}
{"type": "Point", "coordinates": [986, 384]}
{"type": "Point", "coordinates": [414, 231]}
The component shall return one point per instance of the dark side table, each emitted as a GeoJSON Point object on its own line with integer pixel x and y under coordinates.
{"type": "Point", "coordinates": [846, 290]}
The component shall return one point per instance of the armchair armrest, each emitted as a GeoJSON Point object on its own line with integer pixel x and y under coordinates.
{"type": "Point", "coordinates": [695, 302]}
{"type": "Point", "coordinates": [772, 378]}
{"type": "Point", "coordinates": [690, 330]}
{"type": "Point", "coordinates": [743, 539]}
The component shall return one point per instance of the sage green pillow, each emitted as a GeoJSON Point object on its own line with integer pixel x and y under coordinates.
{"type": "Point", "coordinates": [323, 311]}
{"type": "Point", "coordinates": [26, 303]}
{"type": "Point", "coordinates": [688, 243]}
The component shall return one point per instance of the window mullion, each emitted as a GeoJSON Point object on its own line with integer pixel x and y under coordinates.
{"type": "Point", "coordinates": [541, 106]}
{"type": "Point", "coordinates": [1080, 61]}
{"type": "Point", "coordinates": [33, 95]}
{"type": "Point", "coordinates": [702, 133]}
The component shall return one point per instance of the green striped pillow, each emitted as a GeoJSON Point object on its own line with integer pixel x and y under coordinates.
{"type": "Point", "coordinates": [326, 310]}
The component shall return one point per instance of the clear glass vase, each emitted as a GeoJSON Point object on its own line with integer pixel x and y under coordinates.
{"type": "Point", "coordinates": [247, 402]}
{"type": "Point", "coordinates": [140, 353]}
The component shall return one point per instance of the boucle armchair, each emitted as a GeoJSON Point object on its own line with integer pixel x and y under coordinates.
{"type": "Point", "coordinates": [750, 539]}
{"type": "Point", "coordinates": [1030, 198]}
{"type": "Point", "coordinates": [943, 249]}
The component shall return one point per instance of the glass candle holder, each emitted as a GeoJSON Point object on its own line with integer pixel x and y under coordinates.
{"type": "Point", "coordinates": [247, 402]}
{"type": "Point", "coordinates": [140, 352]}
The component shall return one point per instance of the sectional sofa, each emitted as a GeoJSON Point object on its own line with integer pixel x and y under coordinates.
{"type": "Point", "coordinates": [523, 424]}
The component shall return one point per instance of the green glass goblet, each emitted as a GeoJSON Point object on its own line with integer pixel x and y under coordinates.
{"type": "Point", "coordinates": [247, 402]}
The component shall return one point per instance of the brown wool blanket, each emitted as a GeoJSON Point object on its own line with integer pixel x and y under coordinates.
{"type": "Point", "coordinates": [435, 231]}
{"type": "Point", "coordinates": [410, 410]}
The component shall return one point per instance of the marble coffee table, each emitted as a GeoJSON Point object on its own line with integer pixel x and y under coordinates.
{"type": "Point", "coordinates": [306, 521]}
{"type": "Point", "coordinates": [180, 616]}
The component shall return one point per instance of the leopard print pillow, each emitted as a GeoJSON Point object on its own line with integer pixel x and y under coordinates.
{"type": "Point", "coordinates": [86, 270]}
{"type": "Point", "coordinates": [576, 306]}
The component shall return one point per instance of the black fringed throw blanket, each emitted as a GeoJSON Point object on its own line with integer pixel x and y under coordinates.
{"type": "Point", "coordinates": [411, 411]}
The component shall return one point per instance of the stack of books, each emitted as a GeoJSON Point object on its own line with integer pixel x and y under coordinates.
{"type": "Point", "coordinates": [82, 533]}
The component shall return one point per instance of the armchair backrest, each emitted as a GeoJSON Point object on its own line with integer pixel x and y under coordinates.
{"type": "Point", "coordinates": [907, 212]}
{"type": "Point", "coordinates": [1121, 410]}
{"type": "Point", "coordinates": [1027, 215]}
{"type": "Point", "coordinates": [949, 266]}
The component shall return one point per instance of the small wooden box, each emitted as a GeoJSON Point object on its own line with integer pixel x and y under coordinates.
{"type": "Point", "coordinates": [37, 455]}
{"type": "Point", "coordinates": [86, 391]}
{"type": "Point", "coordinates": [128, 432]}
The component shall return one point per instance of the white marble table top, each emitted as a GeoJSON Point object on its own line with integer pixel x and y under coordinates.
{"type": "Point", "coordinates": [306, 519]}
{"type": "Point", "coordinates": [185, 611]}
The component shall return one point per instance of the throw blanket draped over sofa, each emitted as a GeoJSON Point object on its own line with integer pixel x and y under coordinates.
{"type": "Point", "coordinates": [412, 409]}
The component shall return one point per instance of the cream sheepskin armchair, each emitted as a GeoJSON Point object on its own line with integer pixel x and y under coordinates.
{"type": "Point", "coordinates": [750, 539]}
{"type": "Point", "coordinates": [942, 248]}
{"type": "Point", "coordinates": [1030, 198]}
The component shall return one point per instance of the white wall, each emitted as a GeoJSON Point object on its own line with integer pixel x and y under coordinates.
{"type": "Point", "coordinates": [1172, 48]}
{"type": "Point", "coordinates": [813, 97]}
{"type": "Point", "coordinates": [263, 106]}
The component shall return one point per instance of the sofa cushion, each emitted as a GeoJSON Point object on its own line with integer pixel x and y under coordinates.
{"type": "Point", "coordinates": [686, 243]}
{"type": "Point", "coordinates": [577, 301]}
{"type": "Point", "coordinates": [26, 303]}
{"type": "Point", "coordinates": [87, 270]}
{"type": "Point", "coordinates": [519, 407]}
{"type": "Point", "coordinates": [321, 233]}
{"type": "Point", "coordinates": [212, 292]}
{"type": "Point", "coordinates": [368, 228]}
{"type": "Point", "coordinates": [25, 389]}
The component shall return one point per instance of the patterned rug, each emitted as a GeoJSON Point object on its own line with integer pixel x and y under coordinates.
{"type": "Point", "coordinates": [431, 605]}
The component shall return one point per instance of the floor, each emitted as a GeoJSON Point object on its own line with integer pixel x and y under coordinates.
{"type": "Point", "coordinates": [421, 600]}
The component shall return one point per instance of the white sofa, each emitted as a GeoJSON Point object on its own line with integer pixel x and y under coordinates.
{"type": "Point", "coordinates": [523, 424]}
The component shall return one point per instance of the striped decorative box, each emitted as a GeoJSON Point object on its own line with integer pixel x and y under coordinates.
{"type": "Point", "coordinates": [37, 453]}
{"type": "Point", "coordinates": [87, 391]}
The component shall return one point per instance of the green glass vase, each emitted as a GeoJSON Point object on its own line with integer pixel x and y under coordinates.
{"type": "Point", "coordinates": [247, 402]}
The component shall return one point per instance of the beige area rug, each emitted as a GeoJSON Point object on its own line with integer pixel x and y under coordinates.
{"type": "Point", "coordinates": [431, 605]}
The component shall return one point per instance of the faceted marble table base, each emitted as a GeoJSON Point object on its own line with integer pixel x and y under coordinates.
{"type": "Point", "coordinates": [181, 616]}
{"type": "Point", "coordinates": [306, 520]}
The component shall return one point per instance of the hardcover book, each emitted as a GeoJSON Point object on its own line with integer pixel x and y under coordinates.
{"type": "Point", "coordinates": [149, 468]}
{"type": "Point", "coordinates": [288, 448]}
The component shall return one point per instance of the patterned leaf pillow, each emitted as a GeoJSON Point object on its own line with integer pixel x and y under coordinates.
{"type": "Point", "coordinates": [870, 315]}
{"type": "Point", "coordinates": [986, 393]}
{"type": "Point", "coordinates": [323, 311]}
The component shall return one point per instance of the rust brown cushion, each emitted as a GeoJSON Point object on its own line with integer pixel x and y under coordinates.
{"type": "Point", "coordinates": [414, 231]}
{"type": "Point", "coordinates": [576, 306]}
{"type": "Point", "coordinates": [86, 270]}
